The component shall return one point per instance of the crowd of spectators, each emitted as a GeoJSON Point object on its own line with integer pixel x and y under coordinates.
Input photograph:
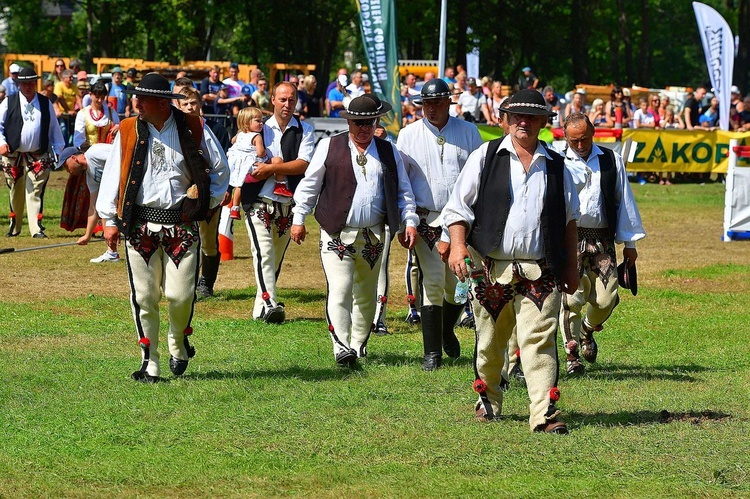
{"type": "Point", "coordinates": [475, 100]}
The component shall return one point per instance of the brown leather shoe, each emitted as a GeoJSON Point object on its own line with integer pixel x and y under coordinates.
{"type": "Point", "coordinates": [552, 426]}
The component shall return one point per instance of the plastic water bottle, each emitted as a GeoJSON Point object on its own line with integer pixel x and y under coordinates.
{"type": "Point", "coordinates": [462, 287]}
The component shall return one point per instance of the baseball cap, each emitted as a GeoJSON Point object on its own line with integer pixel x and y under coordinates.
{"type": "Point", "coordinates": [234, 65]}
{"type": "Point", "coordinates": [14, 68]}
{"type": "Point", "coordinates": [116, 69]}
{"type": "Point", "coordinates": [735, 89]}
{"type": "Point", "coordinates": [471, 81]}
{"type": "Point", "coordinates": [247, 90]}
{"type": "Point", "coordinates": [527, 68]}
{"type": "Point", "coordinates": [65, 155]}
{"type": "Point", "coordinates": [132, 72]}
{"type": "Point", "coordinates": [342, 80]}
{"type": "Point", "coordinates": [581, 91]}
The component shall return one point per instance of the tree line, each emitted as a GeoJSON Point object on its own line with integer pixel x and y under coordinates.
{"type": "Point", "coordinates": [652, 43]}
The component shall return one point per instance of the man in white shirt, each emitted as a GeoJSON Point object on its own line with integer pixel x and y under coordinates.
{"type": "Point", "coordinates": [355, 88]}
{"type": "Point", "coordinates": [164, 174]}
{"type": "Point", "coordinates": [434, 151]}
{"type": "Point", "coordinates": [515, 205]}
{"type": "Point", "coordinates": [472, 104]}
{"type": "Point", "coordinates": [268, 215]}
{"type": "Point", "coordinates": [609, 215]}
{"type": "Point", "coordinates": [30, 139]}
{"type": "Point", "coordinates": [360, 192]}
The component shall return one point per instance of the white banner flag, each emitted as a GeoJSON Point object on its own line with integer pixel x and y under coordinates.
{"type": "Point", "coordinates": [718, 45]}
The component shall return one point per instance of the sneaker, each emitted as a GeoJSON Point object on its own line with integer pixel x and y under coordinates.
{"type": "Point", "coordinates": [234, 213]}
{"type": "Point", "coordinates": [106, 257]}
{"type": "Point", "coordinates": [282, 190]}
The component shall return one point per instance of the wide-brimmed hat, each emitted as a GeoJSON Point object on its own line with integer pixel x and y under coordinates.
{"type": "Point", "coordinates": [365, 106]}
{"type": "Point", "coordinates": [528, 101]}
{"type": "Point", "coordinates": [154, 85]}
{"type": "Point", "coordinates": [627, 277]}
{"type": "Point", "coordinates": [27, 74]}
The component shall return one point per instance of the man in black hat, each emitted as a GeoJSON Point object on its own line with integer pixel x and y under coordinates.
{"type": "Point", "coordinates": [164, 174]}
{"type": "Point", "coordinates": [30, 139]}
{"type": "Point", "coordinates": [357, 185]}
{"type": "Point", "coordinates": [516, 207]}
{"type": "Point", "coordinates": [434, 151]}
{"type": "Point", "coordinates": [609, 215]}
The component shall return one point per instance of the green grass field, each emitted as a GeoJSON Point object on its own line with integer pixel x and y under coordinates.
{"type": "Point", "coordinates": [263, 411]}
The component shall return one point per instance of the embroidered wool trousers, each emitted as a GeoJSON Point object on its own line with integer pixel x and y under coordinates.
{"type": "Point", "coordinates": [351, 263]}
{"type": "Point", "coordinates": [27, 188]}
{"type": "Point", "coordinates": [598, 286]}
{"type": "Point", "coordinates": [268, 227]}
{"type": "Point", "coordinates": [163, 258]}
{"type": "Point", "coordinates": [522, 296]}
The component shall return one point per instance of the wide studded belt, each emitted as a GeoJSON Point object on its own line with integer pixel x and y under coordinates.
{"type": "Point", "coordinates": [157, 215]}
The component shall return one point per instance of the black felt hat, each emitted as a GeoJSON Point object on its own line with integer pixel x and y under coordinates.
{"type": "Point", "coordinates": [528, 101]}
{"type": "Point", "coordinates": [365, 106]}
{"type": "Point", "coordinates": [154, 85]}
{"type": "Point", "coordinates": [27, 74]}
{"type": "Point", "coordinates": [627, 277]}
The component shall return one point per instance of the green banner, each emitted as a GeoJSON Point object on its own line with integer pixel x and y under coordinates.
{"type": "Point", "coordinates": [378, 26]}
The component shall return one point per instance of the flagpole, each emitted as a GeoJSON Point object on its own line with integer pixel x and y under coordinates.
{"type": "Point", "coordinates": [443, 23]}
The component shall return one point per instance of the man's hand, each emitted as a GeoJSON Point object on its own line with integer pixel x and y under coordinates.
{"type": "Point", "coordinates": [570, 279]}
{"type": "Point", "coordinates": [629, 254]}
{"type": "Point", "coordinates": [226, 199]}
{"type": "Point", "coordinates": [112, 236]}
{"type": "Point", "coordinates": [444, 250]}
{"type": "Point", "coordinates": [4, 150]}
{"type": "Point", "coordinates": [298, 233]}
{"type": "Point", "coordinates": [262, 171]}
{"type": "Point", "coordinates": [456, 260]}
{"type": "Point", "coordinates": [408, 238]}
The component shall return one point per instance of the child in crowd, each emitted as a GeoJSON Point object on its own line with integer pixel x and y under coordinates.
{"type": "Point", "coordinates": [248, 149]}
{"type": "Point", "coordinates": [643, 117]}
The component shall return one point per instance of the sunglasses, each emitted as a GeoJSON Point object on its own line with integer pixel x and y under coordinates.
{"type": "Point", "coordinates": [364, 123]}
{"type": "Point", "coordinates": [59, 65]}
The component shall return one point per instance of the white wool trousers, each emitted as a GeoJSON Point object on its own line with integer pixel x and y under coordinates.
{"type": "Point", "coordinates": [268, 227]}
{"type": "Point", "coordinates": [351, 263]}
{"type": "Point", "coordinates": [163, 258]}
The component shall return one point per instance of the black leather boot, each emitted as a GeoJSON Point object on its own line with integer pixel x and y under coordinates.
{"type": "Point", "coordinates": [209, 271]}
{"type": "Point", "coordinates": [451, 313]}
{"type": "Point", "coordinates": [432, 335]}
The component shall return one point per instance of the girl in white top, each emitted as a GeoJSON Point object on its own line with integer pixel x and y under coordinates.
{"type": "Point", "coordinates": [248, 149]}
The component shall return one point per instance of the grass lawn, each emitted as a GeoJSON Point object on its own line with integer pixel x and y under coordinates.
{"type": "Point", "coordinates": [263, 411]}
